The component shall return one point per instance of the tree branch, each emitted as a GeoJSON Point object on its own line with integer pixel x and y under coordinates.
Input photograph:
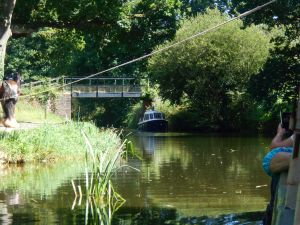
{"type": "Point", "coordinates": [6, 11]}
{"type": "Point", "coordinates": [5, 36]}
{"type": "Point", "coordinates": [82, 25]}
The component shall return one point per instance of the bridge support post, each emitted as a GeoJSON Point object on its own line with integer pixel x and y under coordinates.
{"type": "Point", "coordinates": [97, 93]}
{"type": "Point", "coordinates": [63, 105]}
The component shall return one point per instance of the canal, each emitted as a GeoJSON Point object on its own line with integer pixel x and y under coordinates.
{"type": "Point", "coordinates": [181, 179]}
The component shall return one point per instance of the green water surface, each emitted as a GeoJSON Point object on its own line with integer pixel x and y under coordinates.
{"type": "Point", "coordinates": [180, 176]}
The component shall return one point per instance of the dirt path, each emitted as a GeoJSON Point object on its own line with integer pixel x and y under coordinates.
{"type": "Point", "coordinates": [23, 126]}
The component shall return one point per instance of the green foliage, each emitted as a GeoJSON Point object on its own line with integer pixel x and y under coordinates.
{"type": "Point", "coordinates": [48, 53]}
{"type": "Point", "coordinates": [279, 12]}
{"type": "Point", "coordinates": [207, 69]}
{"type": "Point", "coordinates": [67, 13]}
{"type": "Point", "coordinates": [193, 7]}
{"type": "Point", "coordinates": [45, 93]}
{"type": "Point", "coordinates": [105, 112]}
{"type": "Point", "coordinates": [55, 141]}
{"type": "Point", "coordinates": [75, 38]}
{"type": "Point", "coordinates": [275, 87]}
{"type": "Point", "coordinates": [81, 43]}
{"type": "Point", "coordinates": [69, 41]}
{"type": "Point", "coordinates": [145, 25]}
{"type": "Point", "coordinates": [32, 113]}
{"type": "Point", "coordinates": [103, 164]}
{"type": "Point", "coordinates": [133, 116]}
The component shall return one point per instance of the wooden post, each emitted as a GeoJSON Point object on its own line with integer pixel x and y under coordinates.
{"type": "Point", "coordinates": [283, 215]}
{"type": "Point", "coordinates": [63, 83]}
{"type": "Point", "coordinates": [294, 170]}
{"type": "Point", "coordinates": [71, 88]}
{"type": "Point", "coordinates": [123, 84]}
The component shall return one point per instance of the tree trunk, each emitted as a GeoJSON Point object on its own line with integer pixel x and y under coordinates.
{"type": "Point", "coordinates": [6, 11]}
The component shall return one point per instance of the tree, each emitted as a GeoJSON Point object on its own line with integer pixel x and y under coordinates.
{"type": "Point", "coordinates": [274, 87]}
{"type": "Point", "coordinates": [54, 30]}
{"type": "Point", "coordinates": [213, 70]}
{"type": "Point", "coordinates": [78, 14]}
{"type": "Point", "coordinates": [6, 10]}
{"type": "Point", "coordinates": [279, 12]}
{"type": "Point", "coordinates": [112, 32]}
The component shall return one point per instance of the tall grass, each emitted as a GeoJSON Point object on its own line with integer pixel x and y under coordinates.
{"type": "Point", "coordinates": [51, 142]}
{"type": "Point", "coordinates": [33, 112]}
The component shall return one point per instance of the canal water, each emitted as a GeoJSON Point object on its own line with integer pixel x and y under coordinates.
{"type": "Point", "coordinates": [177, 178]}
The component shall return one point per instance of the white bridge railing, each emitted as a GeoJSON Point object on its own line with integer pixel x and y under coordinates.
{"type": "Point", "coordinates": [79, 87]}
{"type": "Point", "coordinates": [103, 87]}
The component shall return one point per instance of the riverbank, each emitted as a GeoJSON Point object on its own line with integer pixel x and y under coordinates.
{"type": "Point", "coordinates": [51, 142]}
{"type": "Point", "coordinates": [51, 138]}
{"type": "Point", "coordinates": [22, 126]}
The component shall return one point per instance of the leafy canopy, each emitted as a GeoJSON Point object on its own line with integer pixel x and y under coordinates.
{"type": "Point", "coordinates": [223, 59]}
{"type": "Point", "coordinates": [212, 70]}
{"type": "Point", "coordinates": [275, 86]}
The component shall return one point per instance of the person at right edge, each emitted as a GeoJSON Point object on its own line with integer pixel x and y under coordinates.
{"type": "Point", "coordinates": [276, 161]}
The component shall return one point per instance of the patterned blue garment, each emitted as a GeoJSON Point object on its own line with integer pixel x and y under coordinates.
{"type": "Point", "coordinates": [267, 159]}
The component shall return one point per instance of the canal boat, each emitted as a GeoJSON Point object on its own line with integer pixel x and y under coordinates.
{"type": "Point", "coordinates": [153, 121]}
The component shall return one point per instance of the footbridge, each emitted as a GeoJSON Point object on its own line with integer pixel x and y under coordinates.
{"type": "Point", "coordinates": [103, 87]}
{"type": "Point", "coordinates": [81, 87]}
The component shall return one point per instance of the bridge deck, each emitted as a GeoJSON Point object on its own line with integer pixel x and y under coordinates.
{"type": "Point", "coordinates": [105, 88]}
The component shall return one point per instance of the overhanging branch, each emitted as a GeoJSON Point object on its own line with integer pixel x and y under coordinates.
{"type": "Point", "coordinates": [5, 36]}
{"type": "Point", "coordinates": [82, 24]}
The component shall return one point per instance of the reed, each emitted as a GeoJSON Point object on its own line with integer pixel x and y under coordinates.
{"type": "Point", "coordinates": [103, 165]}
{"type": "Point", "coordinates": [102, 213]}
{"type": "Point", "coordinates": [101, 198]}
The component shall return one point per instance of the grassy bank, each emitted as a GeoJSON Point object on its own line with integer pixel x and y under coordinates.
{"type": "Point", "coordinates": [33, 112]}
{"type": "Point", "coordinates": [53, 139]}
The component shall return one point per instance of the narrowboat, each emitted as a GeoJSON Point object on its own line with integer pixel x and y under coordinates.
{"type": "Point", "coordinates": [153, 121]}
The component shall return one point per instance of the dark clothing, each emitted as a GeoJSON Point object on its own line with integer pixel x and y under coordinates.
{"type": "Point", "coordinates": [267, 220]}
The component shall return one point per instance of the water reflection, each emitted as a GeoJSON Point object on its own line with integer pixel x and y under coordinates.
{"type": "Point", "coordinates": [5, 216]}
{"type": "Point", "coordinates": [198, 175]}
{"type": "Point", "coordinates": [183, 179]}
{"type": "Point", "coordinates": [31, 194]}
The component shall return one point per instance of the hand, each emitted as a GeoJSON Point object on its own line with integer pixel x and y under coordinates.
{"type": "Point", "coordinates": [279, 141]}
{"type": "Point", "coordinates": [281, 130]}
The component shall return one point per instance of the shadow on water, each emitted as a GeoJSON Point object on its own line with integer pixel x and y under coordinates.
{"type": "Point", "coordinates": [164, 216]}
{"type": "Point", "coordinates": [135, 216]}
{"type": "Point", "coordinates": [132, 216]}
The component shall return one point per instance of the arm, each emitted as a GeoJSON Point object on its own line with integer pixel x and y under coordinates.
{"type": "Point", "coordinates": [278, 140]}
